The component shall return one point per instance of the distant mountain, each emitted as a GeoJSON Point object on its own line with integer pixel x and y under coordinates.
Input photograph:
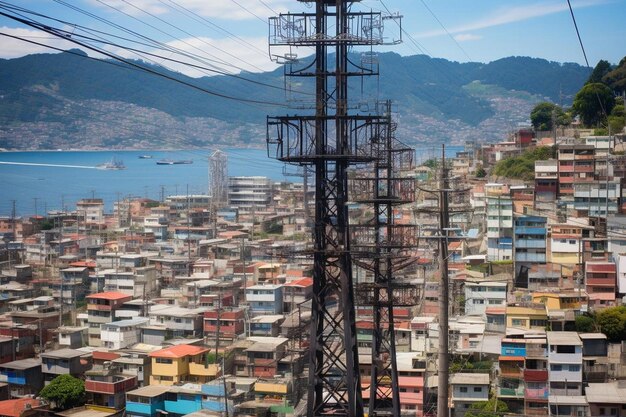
{"type": "Point", "coordinates": [50, 101]}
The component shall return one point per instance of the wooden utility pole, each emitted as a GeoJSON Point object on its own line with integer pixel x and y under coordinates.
{"type": "Point", "coordinates": [444, 225]}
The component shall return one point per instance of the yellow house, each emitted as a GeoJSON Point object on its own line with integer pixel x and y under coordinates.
{"type": "Point", "coordinates": [526, 317]}
{"type": "Point", "coordinates": [181, 363]}
{"type": "Point", "coordinates": [565, 300]}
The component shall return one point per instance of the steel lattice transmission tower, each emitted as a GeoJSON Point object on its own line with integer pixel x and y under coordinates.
{"type": "Point", "coordinates": [328, 142]}
{"type": "Point", "coordinates": [385, 246]}
{"type": "Point", "coordinates": [218, 179]}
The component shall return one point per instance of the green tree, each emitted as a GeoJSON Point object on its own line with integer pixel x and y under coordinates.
{"type": "Point", "coordinates": [593, 102]}
{"type": "Point", "coordinates": [612, 322]}
{"type": "Point", "coordinates": [489, 408]}
{"type": "Point", "coordinates": [64, 392]}
{"type": "Point", "coordinates": [616, 79]}
{"type": "Point", "coordinates": [602, 68]}
{"type": "Point", "coordinates": [480, 172]}
{"type": "Point", "coordinates": [545, 114]}
{"type": "Point", "coordinates": [585, 324]}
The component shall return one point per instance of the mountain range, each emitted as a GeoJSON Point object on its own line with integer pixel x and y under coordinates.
{"type": "Point", "coordinates": [68, 100]}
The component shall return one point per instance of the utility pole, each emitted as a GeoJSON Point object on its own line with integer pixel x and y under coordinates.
{"type": "Point", "coordinates": [444, 225]}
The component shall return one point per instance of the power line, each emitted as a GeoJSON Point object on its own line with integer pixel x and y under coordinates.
{"type": "Point", "coordinates": [208, 23]}
{"type": "Point", "coordinates": [247, 10]}
{"type": "Point", "coordinates": [446, 30]}
{"type": "Point", "coordinates": [137, 66]}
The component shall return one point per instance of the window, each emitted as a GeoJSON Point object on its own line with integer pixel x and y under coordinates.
{"type": "Point", "coordinates": [463, 389]}
{"type": "Point", "coordinates": [574, 368]}
{"type": "Point", "coordinates": [556, 367]}
{"type": "Point", "coordinates": [518, 322]}
{"type": "Point", "coordinates": [164, 360]}
{"type": "Point", "coordinates": [478, 389]}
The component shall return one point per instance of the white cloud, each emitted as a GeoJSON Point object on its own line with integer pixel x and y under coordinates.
{"type": "Point", "coordinates": [223, 9]}
{"type": "Point", "coordinates": [466, 37]}
{"type": "Point", "coordinates": [507, 15]}
{"type": "Point", "coordinates": [13, 48]}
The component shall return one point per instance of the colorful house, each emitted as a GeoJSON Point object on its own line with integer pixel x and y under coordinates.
{"type": "Point", "coordinates": [181, 363]}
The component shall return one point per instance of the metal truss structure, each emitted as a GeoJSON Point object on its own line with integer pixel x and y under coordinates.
{"type": "Point", "coordinates": [328, 143]}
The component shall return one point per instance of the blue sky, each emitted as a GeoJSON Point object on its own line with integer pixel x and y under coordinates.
{"type": "Point", "coordinates": [483, 30]}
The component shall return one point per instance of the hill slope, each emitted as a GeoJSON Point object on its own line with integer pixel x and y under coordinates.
{"type": "Point", "coordinates": [66, 101]}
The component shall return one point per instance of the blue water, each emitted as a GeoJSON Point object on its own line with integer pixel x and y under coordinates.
{"type": "Point", "coordinates": [55, 188]}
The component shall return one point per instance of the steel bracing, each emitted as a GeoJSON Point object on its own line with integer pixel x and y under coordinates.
{"type": "Point", "coordinates": [328, 143]}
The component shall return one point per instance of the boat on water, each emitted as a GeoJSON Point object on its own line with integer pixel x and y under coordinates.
{"type": "Point", "coordinates": [145, 156]}
{"type": "Point", "coordinates": [113, 164]}
{"type": "Point", "coordinates": [174, 162]}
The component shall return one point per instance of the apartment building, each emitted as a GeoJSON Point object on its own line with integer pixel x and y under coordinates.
{"type": "Point", "coordinates": [499, 227]}
{"type": "Point", "coordinates": [101, 309]}
{"type": "Point", "coordinates": [265, 299]}
{"type": "Point", "coordinates": [121, 334]}
{"type": "Point", "coordinates": [481, 295]}
{"type": "Point", "coordinates": [249, 192]}
{"type": "Point", "coordinates": [601, 283]}
{"type": "Point", "coordinates": [546, 180]}
{"type": "Point", "coordinates": [565, 363]}
{"type": "Point", "coordinates": [576, 166]}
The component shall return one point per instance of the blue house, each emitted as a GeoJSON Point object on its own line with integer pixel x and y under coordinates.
{"type": "Point", "coordinates": [23, 376]}
{"type": "Point", "coordinates": [530, 239]}
{"type": "Point", "coordinates": [148, 401]}
{"type": "Point", "coordinates": [184, 399]}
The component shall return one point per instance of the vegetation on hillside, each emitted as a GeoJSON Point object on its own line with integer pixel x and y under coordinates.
{"type": "Point", "coordinates": [610, 321]}
{"type": "Point", "coordinates": [595, 103]}
{"type": "Point", "coordinates": [491, 408]}
{"type": "Point", "coordinates": [522, 167]}
{"type": "Point", "coordinates": [545, 115]}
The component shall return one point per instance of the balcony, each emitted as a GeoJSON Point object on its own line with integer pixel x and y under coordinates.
{"type": "Point", "coordinates": [511, 392]}
{"type": "Point", "coordinates": [115, 385]}
{"type": "Point", "coordinates": [536, 394]}
{"type": "Point", "coordinates": [600, 282]}
{"type": "Point", "coordinates": [530, 257]}
{"type": "Point", "coordinates": [199, 369]}
{"type": "Point", "coordinates": [530, 243]}
{"type": "Point", "coordinates": [535, 375]}
{"type": "Point", "coordinates": [530, 230]}
{"type": "Point", "coordinates": [99, 307]}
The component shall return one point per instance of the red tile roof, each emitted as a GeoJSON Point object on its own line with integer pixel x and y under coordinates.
{"type": "Point", "coordinates": [178, 351]}
{"type": "Point", "coordinates": [304, 282]}
{"type": "Point", "coordinates": [14, 408]}
{"type": "Point", "coordinates": [110, 295]}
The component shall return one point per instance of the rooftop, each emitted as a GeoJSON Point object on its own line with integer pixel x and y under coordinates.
{"type": "Point", "coordinates": [110, 295]}
{"type": "Point", "coordinates": [563, 338]}
{"type": "Point", "coordinates": [178, 351]}
{"type": "Point", "coordinates": [149, 391]}
{"type": "Point", "coordinates": [469, 379]}
{"type": "Point", "coordinates": [62, 354]}
{"type": "Point", "coordinates": [608, 393]}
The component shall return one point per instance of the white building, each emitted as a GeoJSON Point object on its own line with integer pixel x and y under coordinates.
{"type": "Point", "coordinates": [140, 283]}
{"type": "Point", "coordinates": [468, 389]}
{"type": "Point", "coordinates": [499, 228]}
{"type": "Point", "coordinates": [565, 363]}
{"type": "Point", "coordinates": [90, 211]}
{"type": "Point", "coordinates": [121, 334]}
{"type": "Point", "coordinates": [481, 295]}
{"type": "Point", "coordinates": [249, 191]}
{"type": "Point", "coordinates": [181, 321]}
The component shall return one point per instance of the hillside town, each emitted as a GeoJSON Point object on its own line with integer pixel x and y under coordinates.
{"type": "Point", "coordinates": [201, 304]}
